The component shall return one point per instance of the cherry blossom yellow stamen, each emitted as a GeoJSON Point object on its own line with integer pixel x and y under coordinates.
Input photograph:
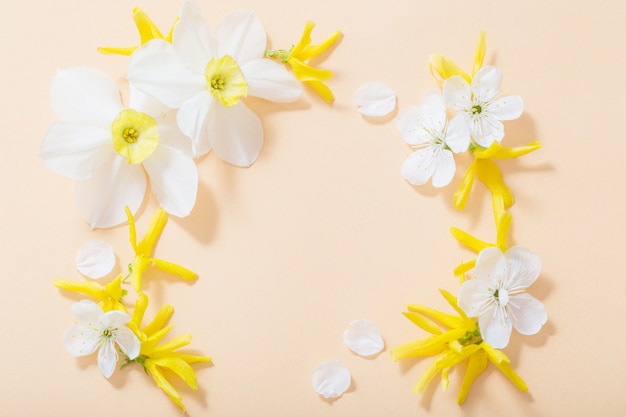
{"type": "Point", "coordinates": [225, 80]}
{"type": "Point", "coordinates": [135, 135]}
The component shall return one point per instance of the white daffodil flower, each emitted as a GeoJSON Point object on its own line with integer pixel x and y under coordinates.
{"type": "Point", "coordinates": [497, 294]}
{"type": "Point", "coordinates": [206, 73]}
{"type": "Point", "coordinates": [478, 104]}
{"type": "Point", "coordinates": [426, 129]}
{"type": "Point", "coordinates": [96, 329]}
{"type": "Point", "coordinates": [107, 147]}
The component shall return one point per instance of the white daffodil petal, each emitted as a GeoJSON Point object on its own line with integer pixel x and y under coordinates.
{"type": "Point", "coordinates": [444, 169]}
{"type": "Point", "coordinates": [364, 338]}
{"type": "Point", "coordinates": [241, 35]}
{"type": "Point", "coordinates": [490, 265]}
{"type": "Point", "coordinates": [419, 166]}
{"type": "Point", "coordinates": [80, 340]}
{"type": "Point", "coordinates": [95, 259]}
{"type": "Point", "coordinates": [457, 93]}
{"type": "Point", "coordinates": [156, 70]}
{"type": "Point", "coordinates": [192, 39]}
{"type": "Point", "coordinates": [457, 134]}
{"type": "Point", "coordinates": [101, 199]}
{"type": "Point", "coordinates": [107, 358]}
{"type": "Point", "coordinates": [144, 103]}
{"type": "Point", "coordinates": [486, 83]}
{"type": "Point", "coordinates": [527, 313]}
{"type": "Point", "coordinates": [236, 134]}
{"type": "Point", "coordinates": [85, 96]}
{"type": "Point", "coordinates": [128, 342]}
{"type": "Point", "coordinates": [331, 379]}
{"type": "Point", "coordinates": [173, 179]}
{"type": "Point", "coordinates": [524, 267]}
{"type": "Point", "coordinates": [271, 81]}
{"type": "Point", "coordinates": [75, 150]}
{"type": "Point", "coordinates": [375, 99]}
{"type": "Point", "coordinates": [171, 135]}
{"type": "Point", "coordinates": [507, 108]}
{"type": "Point", "coordinates": [192, 118]}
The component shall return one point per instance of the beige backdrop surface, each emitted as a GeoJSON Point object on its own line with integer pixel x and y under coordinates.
{"type": "Point", "coordinates": [322, 229]}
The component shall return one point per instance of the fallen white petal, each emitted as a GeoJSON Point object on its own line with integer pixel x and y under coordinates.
{"type": "Point", "coordinates": [95, 259]}
{"type": "Point", "coordinates": [364, 339]}
{"type": "Point", "coordinates": [331, 379]}
{"type": "Point", "coordinates": [375, 99]}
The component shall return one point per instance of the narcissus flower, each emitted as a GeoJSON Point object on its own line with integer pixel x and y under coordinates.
{"type": "Point", "coordinates": [206, 74]}
{"type": "Point", "coordinates": [145, 248]}
{"type": "Point", "coordinates": [155, 357]}
{"type": "Point", "coordinates": [298, 58]}
{"type": "Point", "coordinates": [95, 329]}
{"type": "Point", "coordinates": [426, 129]}
{"type": "Point", "coordinates": [147, 31]}
{"type": "Point", "coordinates": [109, 149]}
{"type": "Point", "coordinates": [480, 109]}
{"type": "Point", "coordinates": [453, 340]}
{"type": "Point", "coordinates": [497, 294]}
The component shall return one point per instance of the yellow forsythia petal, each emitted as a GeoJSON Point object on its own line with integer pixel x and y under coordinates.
{"type": "Point", "coordinates": [507, 153]}
{"type": "Point", "coordinates": [164, 384]}
{"type": "Point", "coordinates": [476, 364]}
{"type": "Point", "coordinates": [161, 317]}
{"type": "Point", "coordinates": [178, 342]}
{"type": "Point", "coordinates": [175, 269]}
{"type": "Point", "coordinates": [465, 187]}
{"type": "Point", "coordinates": [468, 240]}
{"type": "Point", "coordinates": [443, 68]}
{"type": "Point", "coordinates": [180, 368]}
{"type": "Point", "coordinates": [310, 51]}
{"type": "Point", "coordinates": [446, 319]}
{"type": "Point", "coordinates": [423, 322]}
{"type": "Point", "coordinates": [157, 223]}
{"type": "Point", "coordinates": [481, 48]}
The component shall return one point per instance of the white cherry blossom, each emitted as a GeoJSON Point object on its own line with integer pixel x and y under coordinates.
{"type": "Point", "coordinates": [426, 129]}
{"type": "Point", "coordinates": [95, 329]}
{"type": "Point", "coordinates": [497, 294]}
{"type": "Point", "coordinates": [478, 105]}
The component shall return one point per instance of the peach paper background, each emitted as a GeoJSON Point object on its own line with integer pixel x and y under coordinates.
{"type": "Point", "coordinates": [323, 230]}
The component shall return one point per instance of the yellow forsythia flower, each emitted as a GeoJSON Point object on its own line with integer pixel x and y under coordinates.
{"type": "Point", "coordinates": [453, 340]}
{"type": "Point", "coordinates": [143, 251]}
{"type": "Point", "coordinates": [298, 58]}
{"type": "Point", "coordinates": [108, 296]}
{"type": "Point", "coordinates": [155, 357]}
{"type": "Point", "coordinates": [147, 31]}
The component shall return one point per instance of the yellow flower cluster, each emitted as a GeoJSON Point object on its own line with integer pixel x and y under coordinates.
{"type": "Point", "coordinates": [154, 355]}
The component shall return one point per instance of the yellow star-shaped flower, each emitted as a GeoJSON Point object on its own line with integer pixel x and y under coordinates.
{"type": "Point", "coordinates": [147, 31]}
{"type": "Point", "coordinates": [155, 357]}
{"type": "Point", "coordinates": [453, 340]}
{"type": "Point", "coordinates": [109, 296]}
{"type": "Point", "coordinates": [143, 251]}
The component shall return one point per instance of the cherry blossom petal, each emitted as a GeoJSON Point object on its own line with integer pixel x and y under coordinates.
{"type": "Point", "coordinates": [444, 169]}
{"type": "Point", "coordinates": [507, 108]}
{"type": "Point", "coordinates": [527, 313]}
{"type": "Point", "coordinates": [364, 339]}
{"type": "Point", "coordinates": [81, 340]}
{"type": "Point", "coordinates": [156, 70]}
{"type": "Point", "coordinates": [457, 134]}
{"type": "Point", "coordinates": [107, 358]}
{"type": "Point", "coordinates": [375, 99]}
{"type": "Point", "coordinates": [114, 319]}
{"type": "Point", "coordinates": [95, 259]}
{"type": "Point", "coordinates": [490, 265]}
{"type": "Point", "coordinates": [173, 179]}
{"type": "Point", "coordinates": [87, 311]}
{"type": "Point", "coordinates": [495, 327]}
{"type": "Point", "coordinates": [75, 151]}
{"type": "Point", "coordinates": [486, 83]}
{"type": "Point", "coordinates": [128, 342]}
{"type": "Point", "coordinates": [331, 379]}
{"type": "Point", "coordinates": [457, 93]}
{"type": "Point", "coordinates": [271, 81]}
{"type": "Point", "coordinates": [487, 130]}
{"type": "Point", "coordinates": [101, 199]}
{"type": "Point", "coordinates": [241, 35]}
{"type": "Point", "coordinates": [236, 134]}
{"type": "Point", "coordinates": [192, 120]}
{"type": "Point", "coordinates": [192, 38]}
{"type": "Point", "coordinates": [474, 296]}
{"type": "Point", "coordinates": [524, 267]}
{"type": "Point", "coordinates": [419, 166]}
{"type": "Point", "coordinates": [433, 111]}
{"type": "Point", "coordinates": [85, 96]}
{"type": "Point", "coordinates": [409, 127]}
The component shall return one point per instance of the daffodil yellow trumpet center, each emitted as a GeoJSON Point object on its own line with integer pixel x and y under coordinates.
{"type": "Point", "coordinates": [225, 80]}
{"type": "Point", "coordinates": [135, 135]}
